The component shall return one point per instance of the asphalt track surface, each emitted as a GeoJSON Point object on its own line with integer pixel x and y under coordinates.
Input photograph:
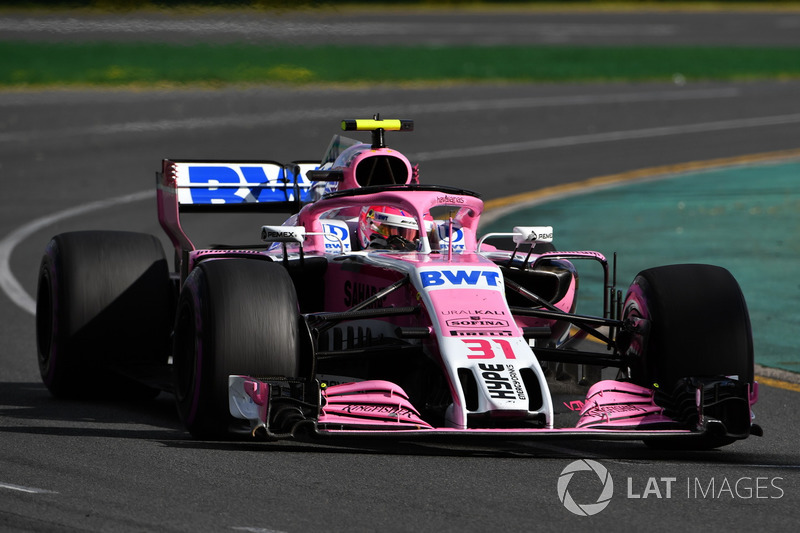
{"type": "Point", "coordinates": [429, 27]}
{"type": "Point", "coordinates": [85, 160]}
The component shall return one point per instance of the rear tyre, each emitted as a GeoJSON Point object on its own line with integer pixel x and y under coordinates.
{"type": "Point", "coordinates": [235, 316]}
{"type": "Point", "coordinates": [698, 326]}
{"type": "Point", "coordinates": [103, 301]}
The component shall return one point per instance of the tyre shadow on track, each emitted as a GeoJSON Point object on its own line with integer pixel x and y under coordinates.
{"type": "Point", "coordinates": [634, 451]}
{"type": "Point", "coordinates": [30, 408]}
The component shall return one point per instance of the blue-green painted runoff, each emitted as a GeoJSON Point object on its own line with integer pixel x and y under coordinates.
{"type": "Point", "coordinates": [744, 218]}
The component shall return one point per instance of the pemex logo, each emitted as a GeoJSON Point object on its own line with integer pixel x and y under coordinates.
{"type": "Point", "coordinates": [585, 509]}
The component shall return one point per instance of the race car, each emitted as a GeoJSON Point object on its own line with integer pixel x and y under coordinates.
{"type": "Point", "coordinates": [378, 310]}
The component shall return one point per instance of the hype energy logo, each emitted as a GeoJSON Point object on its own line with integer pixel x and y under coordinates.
{"type": "Point", "coordinates": [604, 497]}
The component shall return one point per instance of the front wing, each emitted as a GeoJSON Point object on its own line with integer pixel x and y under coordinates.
{"type": "Point", "coordinates": [613, 410]}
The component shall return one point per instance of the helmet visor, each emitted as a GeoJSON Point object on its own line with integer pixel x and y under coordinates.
{"type": "Point", "coordinates": [388, 230]}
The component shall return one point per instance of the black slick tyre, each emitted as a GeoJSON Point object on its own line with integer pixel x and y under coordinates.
{"type": "Point", "coordinates": [104, 301]}
{"type": "Point", "coordinates": [696, 326]}
{"type": "Point", "coordinates": [235, 316]}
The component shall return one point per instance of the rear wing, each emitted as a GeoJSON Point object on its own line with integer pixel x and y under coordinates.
{"type": "Point", "coordinates": [228, 187]}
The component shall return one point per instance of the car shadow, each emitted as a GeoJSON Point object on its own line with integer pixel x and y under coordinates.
{"type": "Point", "coordinates": [30, 408]}
{"type": "Point", "coordinates": [629, 450]}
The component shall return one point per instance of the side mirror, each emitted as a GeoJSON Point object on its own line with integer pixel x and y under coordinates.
{"type": "Point", "coordinates": [532, 234]}
{"type": "Point", "coordinates": [283, 234]}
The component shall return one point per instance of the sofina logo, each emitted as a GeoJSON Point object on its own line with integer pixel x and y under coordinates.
{"type": "Point", "coordinates": [585, 509]}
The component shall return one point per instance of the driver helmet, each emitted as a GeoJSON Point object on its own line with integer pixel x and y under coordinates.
{"type": "Point", "coordinates": [387, 227]}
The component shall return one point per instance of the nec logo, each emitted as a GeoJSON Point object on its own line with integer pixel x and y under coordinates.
{"type": "Point", "coordinates": [444, 278]}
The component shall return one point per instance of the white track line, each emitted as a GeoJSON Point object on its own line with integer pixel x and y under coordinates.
{"type": "Point", "coordinates": [610, 136]}
{"type": "Point", "coordinates": [8, 282]}
{"type": "Point", "coordinates": [14, 290]}
{"type": "Point", "coordinates": [252, 529]}
{"type": "Point", "coordinates": [29, 490]}
{"type": "Point", "coordinates": [287, 117]}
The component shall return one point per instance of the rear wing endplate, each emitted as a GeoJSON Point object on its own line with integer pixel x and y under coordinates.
{"type": "Point", "coordinates": [228, 187]}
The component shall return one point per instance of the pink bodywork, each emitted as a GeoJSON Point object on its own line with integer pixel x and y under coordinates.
{"type": "Point", "coordinates": [616, 404]}
{"type": "Point", "coordinates": [380, 406]}
{"type": "Point", "coordinates": [369, 404]}
{"type": "Point", "coordinates": [418, 203]}
{"type": "Point", "coordinates": [469, 324]}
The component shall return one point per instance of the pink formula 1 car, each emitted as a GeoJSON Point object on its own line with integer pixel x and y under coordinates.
{"type": "Point", "coordinates": [377, 309]}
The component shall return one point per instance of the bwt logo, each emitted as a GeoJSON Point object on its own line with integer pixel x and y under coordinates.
{"type": "Point", "coordinates": [242, 183]}
{"type": "Point", "coordinates": [336, 232]}
{"type": "Point", "coordinates": [336, 237]}
{"type": "Point", "coordinates": [446, 278]}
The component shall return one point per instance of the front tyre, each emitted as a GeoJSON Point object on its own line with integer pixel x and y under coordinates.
{"type": "Point", "coordinates": [698, 325]}
{"type": "Point", "coordinates": [693, 332]}
{"type": "Point", "coordinates": [235, 316]}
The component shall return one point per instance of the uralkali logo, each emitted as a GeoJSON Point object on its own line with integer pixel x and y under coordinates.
{"type": "Point", "coordinates": [604, 498]}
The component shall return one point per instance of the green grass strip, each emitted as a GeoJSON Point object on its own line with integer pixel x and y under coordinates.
{"type": "Point", "coordinates": [113, 64]}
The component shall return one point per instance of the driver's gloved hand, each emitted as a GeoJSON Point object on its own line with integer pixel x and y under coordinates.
{"type": "Point", "coordinates": [396, 242]}
{"type": "Point", "coordinates": [393, 242]}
